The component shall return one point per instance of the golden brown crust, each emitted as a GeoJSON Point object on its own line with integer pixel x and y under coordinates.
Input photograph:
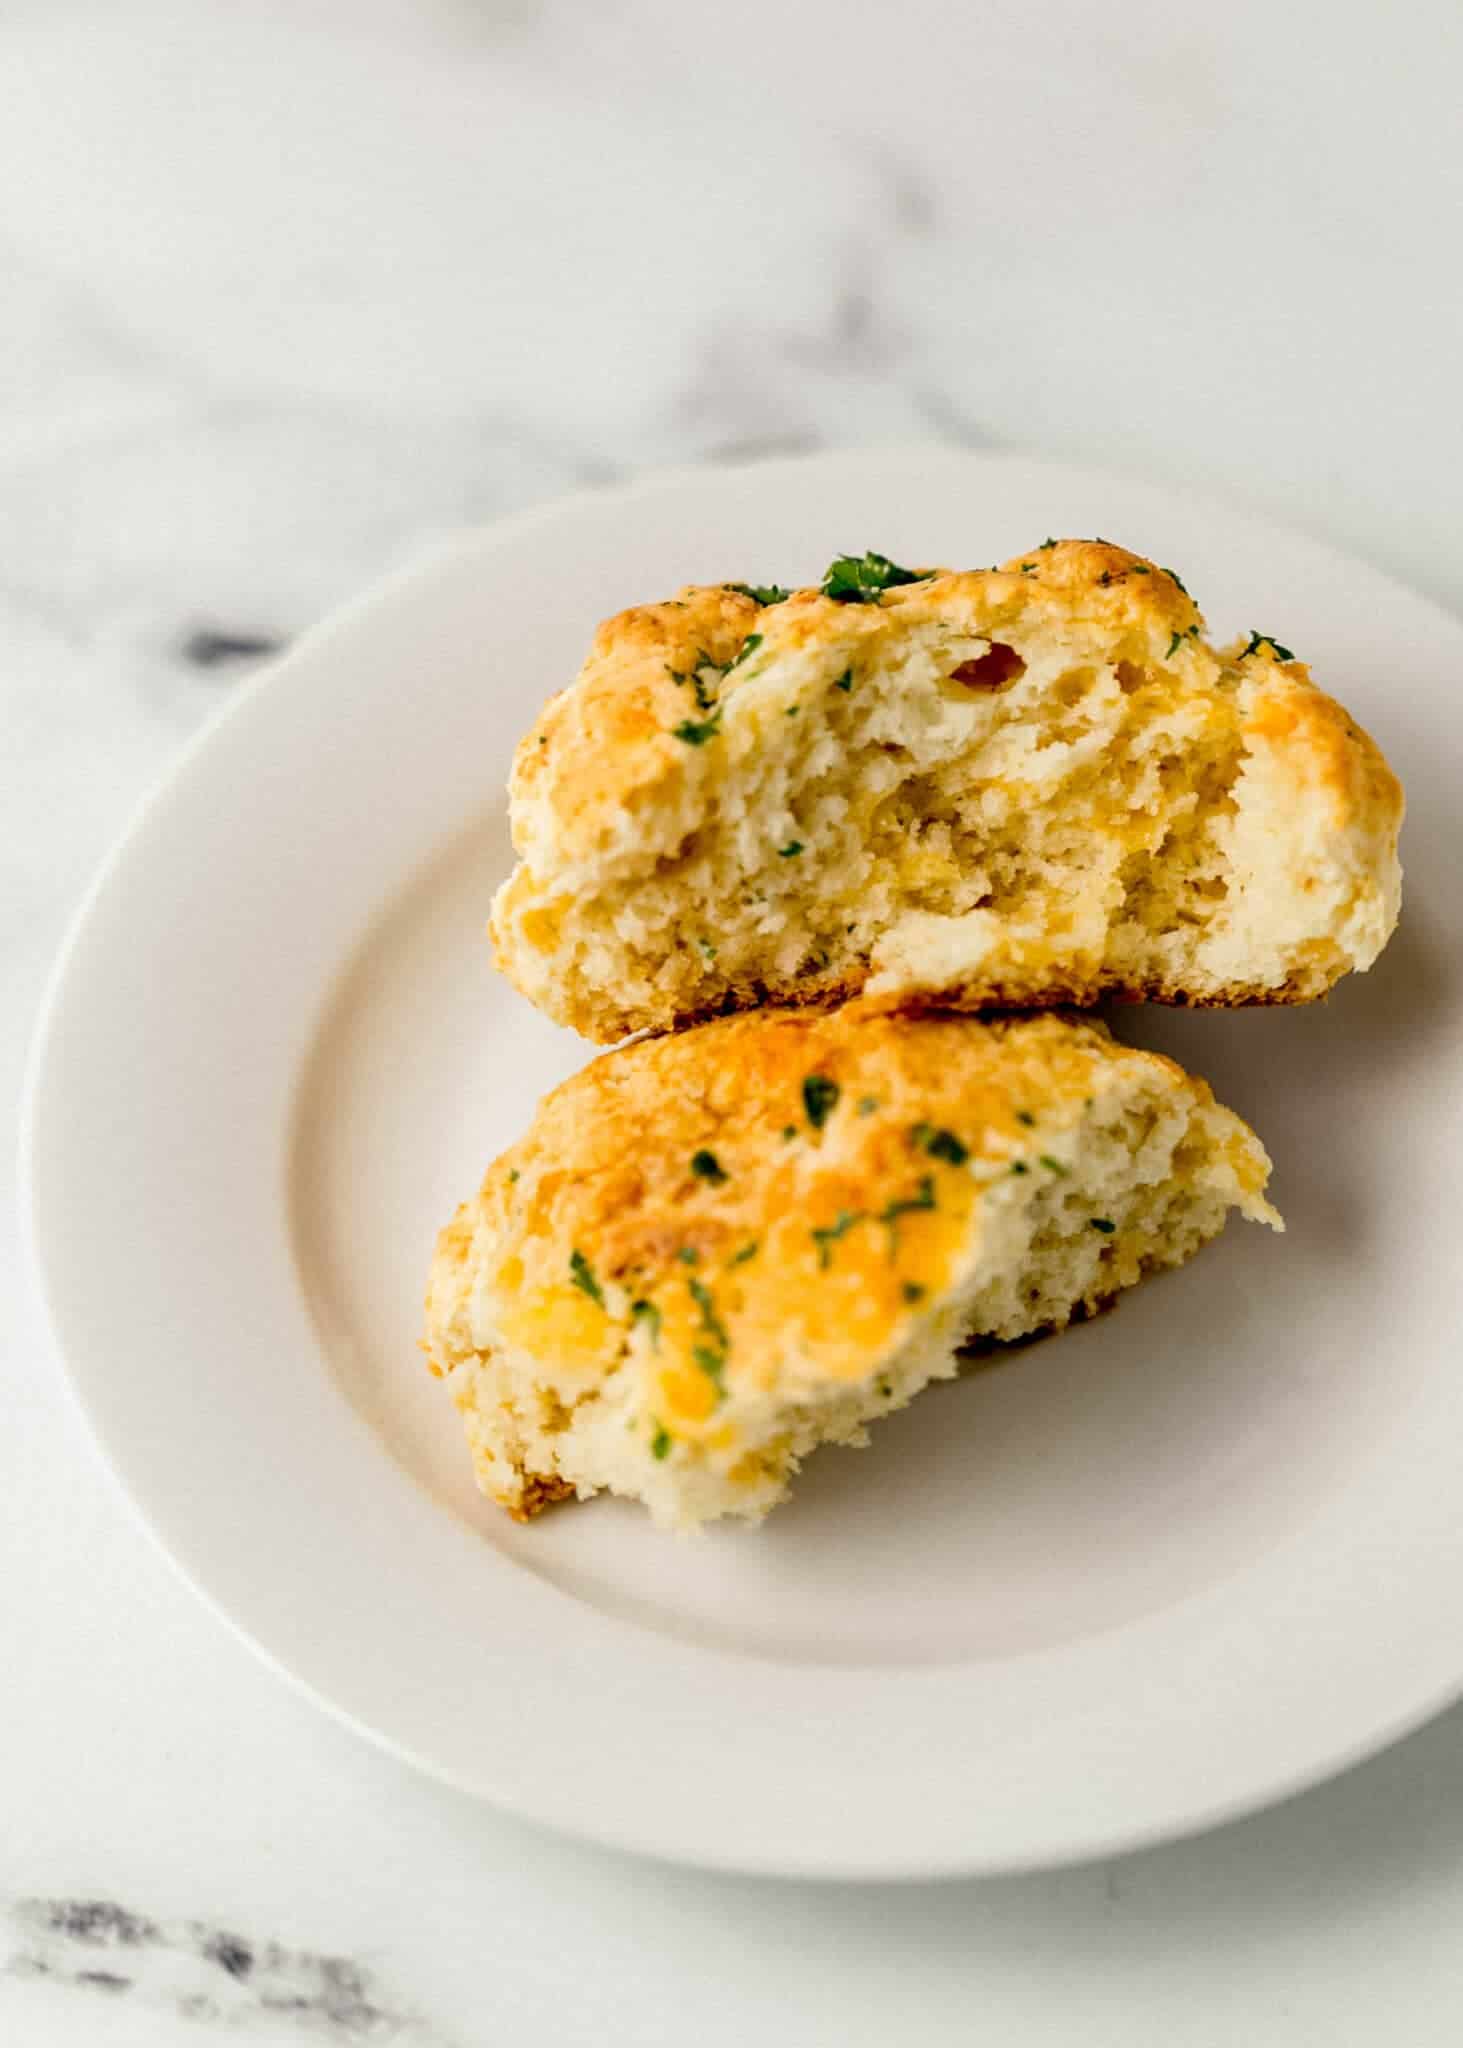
{"type": "Point", "coordinates": [624, 769]}
{"type": "Point", "coordinates": [610, 1170]}
{"type": "Point", "coordinates": [537, 1492]}
{"type": "Point", "coordinates": [600, 745]}
{"type": "Point", "coordinates": [703, 1233]}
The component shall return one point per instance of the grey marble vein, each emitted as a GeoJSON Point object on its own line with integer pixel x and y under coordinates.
{"type": "Point", "coordinates": [204, 1972]}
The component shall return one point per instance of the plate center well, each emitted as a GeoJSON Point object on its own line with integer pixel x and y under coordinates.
{"type": "Point", "coordinates": [1084, 1481]}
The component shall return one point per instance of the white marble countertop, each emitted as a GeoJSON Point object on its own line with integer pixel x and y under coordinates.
{"type": "Point", "coordinates": [292, 286]}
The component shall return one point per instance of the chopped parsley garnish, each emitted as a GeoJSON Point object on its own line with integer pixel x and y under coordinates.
{"type": "Point", "coordinates": [512, 1175]}
{"type": "Point", "coordinates": [647, 1312]}
{"type": "Point", "coordinates": [1024, 1116]}
{"type": "Point", "coordinates": [1259, 640]}
{"type": "Point", "coordinates": [707, 948]}
{"type": "Point", "coordinates": [710, 1356]}
{"type": "Point", "coordinates": [1019, 1166]}
{"type": "Point", "coordinates": [867, 1104]}
{"type": "Point", "coordinates": [1174, 645]}
{"type": "Point", "coordinates": [909, 1204]}
{"type": "Point", "coordinates": [859, 579]}
{"type": "Point", "coordinates": [760, 593]}
{"type": "Point", "coordinates": [706, 1166]}
{"type": "Point", "coordinates": [912, 1292]}
{"type": "Point", "coordinates": [712, 1363]}
{"type": "Point", "coordinates": [819, 1096]}
{"type": "Point", "coordinates": [1105, 578]}
{"type": "Point", "coordinates": [1174, 577]}
{"type": "Point", "coordinates": [705, 695]}
{"type": "Point", "coordinates": [844, 682]}
{"type": "Point", "coordinates": [581, 1275]}
{"type": "Point", "coordinates": [793, 710]}
{"type": "Point", "coordinates": [688, 1255]}
{"type": "Point", "coordinates": [939, 1144]}
{"type": "Point", "coordinates": [748, 647]}
{"type": "Point", "coordinates": [701, 1295]}
{"type": "Point", "coordinates": [828, 1236]}
{"type": "Point", "coordinates": [1028, 568]}
{"type": "Point", "coordinates": [1047, 543]}
{"type": "Point", "coordinates": [1103, 1223]}
{"type": "Point", "coordinates": [660, 1443]}
{"type": "Point", "coordinates": [791, 851]}
{"type": "Point", "coordinates": [1139, 569]}
{"type": "Point", "coordinates": [748, 1251]}
{"type": "Point", "coordinates": [789, 1131]}
{"type": "Point", "coordinates": [696, 732]}
{"type": "Point", "coordinates": [1054, 1165]}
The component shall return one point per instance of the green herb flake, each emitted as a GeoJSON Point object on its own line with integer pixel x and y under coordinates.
{"type": "Point", "coordinates": [793, 710]}
{"type": "Point", "coordinates": [707, 948]}
{"type": "Point", "coordinates": [760, 593]}
{"type": "Point", "coordinates": [748, 648]}
{"type": "Point", "coordinates": [705, 695]}
{"type": "Point", "coordinates": [791, 851]}
{"type": "Point", "coordinates": [860, 579]}
{"type": "Point", "coordinates": [909, 1204]}
{"type": "Point", "coordinates": [1174, 577]}
{"type": "Point", "coordinates": [820, 1094]}
{"type": "Point", "coordinates": [1259, 640]}
{"type": "Point", "coordinates": [513, 1176]}
{"type": "Point", "coordinates": [660, 1443]}
{"type": "Point", "coordinates": [748, 1251]}
{"type": "Point", "coordinates": [688, 1255]}
{"type": "Point", "coordinates": [912, 1292]}
{"type": "Point", "coordinates": [1054, 1165]}
{"type": "Point", "coordinates": [884, 1389]}
{"type": "Point", "coordinates": [1173, 646]}
{"type": "Point", "coordinates": [1028, 568]}
{"type": "Point", "coordinates": [940, 1144]}
{"type": "Point", "coordinates": [1105, 578]}
{"type": "Point", "coordinates": [706, 1166]}
{"type": "Point", "coordinates": [1024, 1116]}
{"type": "Point", "coordinates": [1103, 1223]}
{"type": "Point", "coordinates": [711, 1355]}
{"type": "Point", "coordinates": [696, 732]}
{"type": "Point", "coordinates": [828, 1236]}
{"type": "Point", "coordinates": [1047, 543]}
{"type": "Point", "coordinates": [702, 1296]}
{"type": "Point", "coordinates": [844, 682]}
{"type": "Point", "coordinates": [867, 1104]}
{"type": "Point", "coordinates": [712, 1363]}
{"type": "Point", "coordinates": [789, 1131]}
{"type": "Point", "coordinates": [1139, 569]}
{"type": "Point", "coordinates": [581, 1275]}
{"type": "Point", "coordinates": [646, 1312]}
{"type": "Point", "coordinates": [543, 739]}
{"type": "Point", "coordinates": [1019, 1166]}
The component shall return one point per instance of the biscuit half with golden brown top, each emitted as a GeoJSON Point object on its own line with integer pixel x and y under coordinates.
{"type": "Point", "coordinates": [1019, 786]}
{"type": "Point", "coordinates": [716, 1250]}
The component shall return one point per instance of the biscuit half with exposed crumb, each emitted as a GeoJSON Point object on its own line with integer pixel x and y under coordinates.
{"type": "Point", "coordinates": [716, 1250]}
{"type": "Point", "coordinates": [1019, 786]}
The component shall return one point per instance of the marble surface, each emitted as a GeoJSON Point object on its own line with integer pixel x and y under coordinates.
{"type": "Point", "coordinates": [289, 288]}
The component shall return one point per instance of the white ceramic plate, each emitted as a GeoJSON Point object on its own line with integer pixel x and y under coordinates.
{"type": "Point", "coordinates": [1182, 1561]}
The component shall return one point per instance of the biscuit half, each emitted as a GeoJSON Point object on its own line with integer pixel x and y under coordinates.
{"type": "Point", "coordinates": [1017, 786]}
{"type": "Point", "coordinates": [716, 1250]}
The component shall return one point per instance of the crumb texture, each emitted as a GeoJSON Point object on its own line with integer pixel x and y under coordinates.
{"type": "Point", "coordinates": [716, 1250]}
{"type": "Point", "coordinates": [1021, 786]}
